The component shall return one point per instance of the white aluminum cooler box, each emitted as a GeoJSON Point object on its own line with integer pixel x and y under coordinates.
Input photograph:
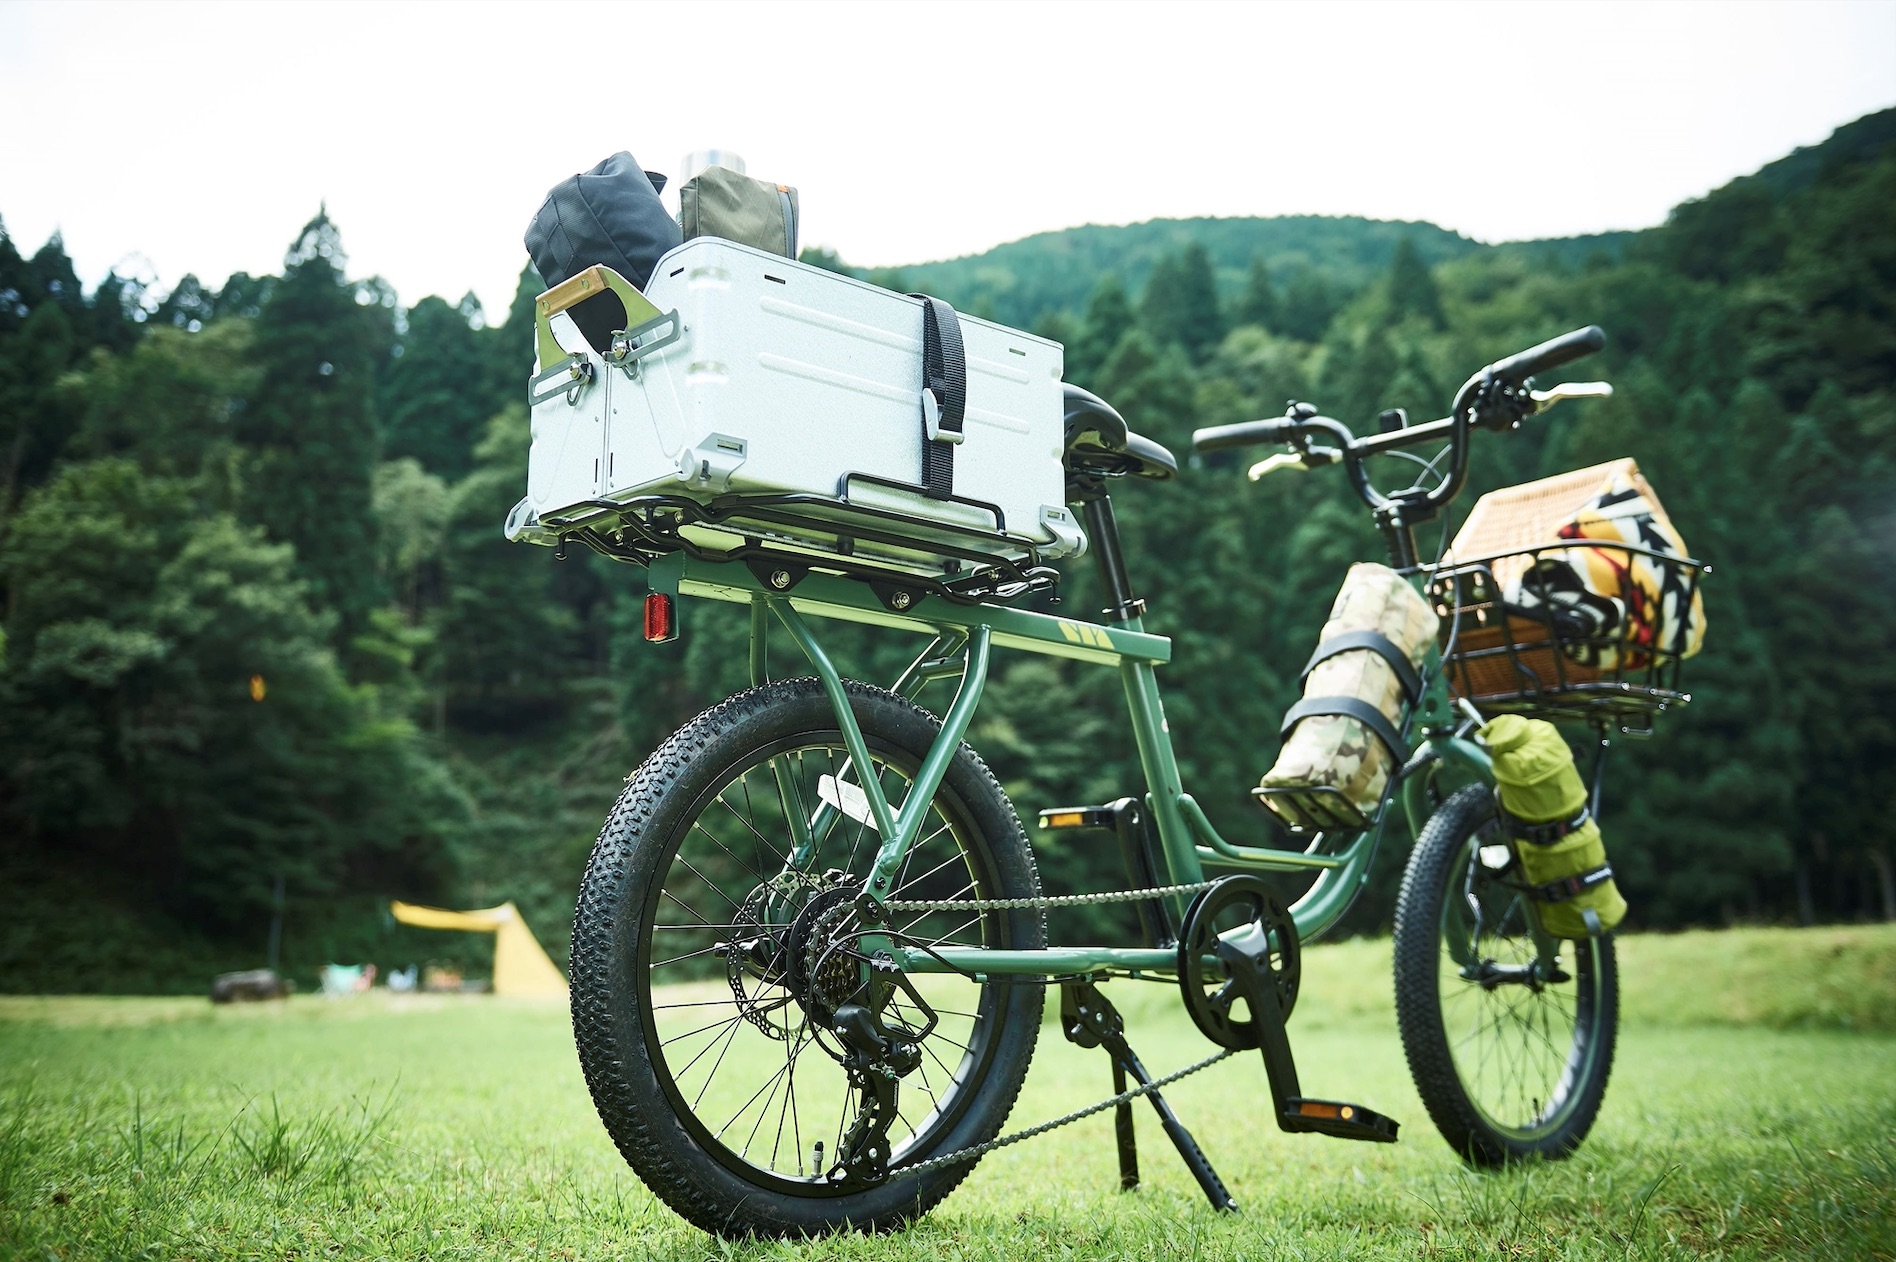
{"type": "Point", "coordinates": [777, 377]}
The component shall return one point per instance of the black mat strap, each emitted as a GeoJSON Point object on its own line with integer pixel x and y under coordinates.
{"type": "Point", "coordinates": [1548, 833]}
{"type": "Point", "coordinates": [1378, 643]}
{"type": "Point", "coordinates": [944, 394]}
{"type": "Point", "coordinates": [1350, 708]}
{"type": "Point", "coordinates": [1568, 887]}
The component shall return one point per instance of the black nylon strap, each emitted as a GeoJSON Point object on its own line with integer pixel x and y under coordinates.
{"type": "Point", "coordinates": [1350, 708]}
{"type": "Point", "coordinates": [1571, 886]}
{"type": "Point", "coordinates": [1378, 643]}
{"type": "Point", "coordinates": [945, 377]}
{"type": "Point", "coordinates": [1548, 833]}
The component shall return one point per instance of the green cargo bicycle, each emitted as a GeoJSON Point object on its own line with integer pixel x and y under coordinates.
{"type": "Point", "coordinates": [810, 957]}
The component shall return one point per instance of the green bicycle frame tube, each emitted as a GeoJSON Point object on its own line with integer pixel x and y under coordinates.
{"type": "Point", "coordinates": [1186, 839]}
{"type": "Point", "coordinates": [898, 829]}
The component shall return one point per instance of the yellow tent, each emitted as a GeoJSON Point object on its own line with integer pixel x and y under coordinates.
{"type": "Point", "coordinates": [521, 966]}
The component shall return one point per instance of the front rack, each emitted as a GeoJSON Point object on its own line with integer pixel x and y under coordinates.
{"type": "Point", "coordinates": [1308, 809]}
{"type": "Point", "coordinates": [1540, 658]}
{"type": "Point", "coordinates": [782, 536]}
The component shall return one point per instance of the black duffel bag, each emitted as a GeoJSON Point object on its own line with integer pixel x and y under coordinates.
{"type": "Point", "coordinates": [611, 215]}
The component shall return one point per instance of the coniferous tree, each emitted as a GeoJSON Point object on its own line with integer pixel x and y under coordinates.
{"type": "Point", "coordinates": [1412, 290]}
{"type": "Point", "coordinates": [1108, 318]}
{"type": "Point", "coordinates": [1258, 305]}
{"type": "Point", "coordinates": [1310, 303]}
{"type": "Point", "coordinates": [1180, 304]}
{"type": "Point", "coordinates": [507, 348]}
{"type": "Point", "coordinates": [434, 401]}
{"type": "Point", "coordinates": [189, 306]}
{"type": "Point", "coordinates": [311, 426]}
{"type": "Point", "coordinates": [244, 295]}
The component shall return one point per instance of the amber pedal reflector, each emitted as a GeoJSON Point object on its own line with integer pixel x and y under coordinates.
{"type": "Point", "coordinates": [1321, 1108]}
{"type": "Point", "coordinates": [661, 619]}
{"type": "Point", "coordinates": [1065, 819]}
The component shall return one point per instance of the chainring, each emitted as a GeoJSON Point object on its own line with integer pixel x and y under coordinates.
{"type": "Point", "coordinates": [1263, 929]}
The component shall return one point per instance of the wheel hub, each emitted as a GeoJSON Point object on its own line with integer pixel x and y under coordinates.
{"type": "Point", "coordinates": [763, 959]}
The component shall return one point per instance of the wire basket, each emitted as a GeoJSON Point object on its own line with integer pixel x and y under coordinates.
{"type": "Point", "coordinates": [1536, 656]}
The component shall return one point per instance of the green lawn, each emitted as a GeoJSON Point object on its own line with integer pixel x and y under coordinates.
{"type": "Point", "coordinates": [1751, 1114]}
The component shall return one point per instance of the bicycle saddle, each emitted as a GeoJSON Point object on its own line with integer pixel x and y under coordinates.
{"type": "Point", "coordinates": [1098, 442]}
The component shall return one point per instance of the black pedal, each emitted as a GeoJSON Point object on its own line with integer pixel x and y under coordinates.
{"type": "Point", "coordinates": [1126, 820]}
{"type": "Point", "coordinates": [1332, 1117]}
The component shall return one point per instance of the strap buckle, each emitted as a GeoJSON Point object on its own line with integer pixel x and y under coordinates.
{"type": "Point", "coordinates": [932, 427]}
{"type": "Point", "coordinates": [1568, 887]}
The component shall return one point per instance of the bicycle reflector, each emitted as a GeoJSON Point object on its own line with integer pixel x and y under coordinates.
{"type": "Point", "coordinates": [661, 618]}
{"type": "Point", "coordinates": [1076, 817]}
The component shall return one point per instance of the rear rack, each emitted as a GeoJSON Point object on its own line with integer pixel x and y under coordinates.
{"type": "Point", "coordinates": [782, 536]}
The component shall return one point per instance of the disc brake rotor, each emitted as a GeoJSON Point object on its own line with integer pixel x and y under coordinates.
{"type": "Point", "coordinates": [756, 963]}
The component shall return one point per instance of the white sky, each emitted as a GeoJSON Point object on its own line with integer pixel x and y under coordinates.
{"type": "Point", "coordinates": [200, 137]}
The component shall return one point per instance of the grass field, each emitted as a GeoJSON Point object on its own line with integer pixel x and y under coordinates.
{"type": "Point", "coordinates": [1751, 1114]}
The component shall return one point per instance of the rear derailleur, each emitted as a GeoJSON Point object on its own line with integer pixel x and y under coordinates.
{"type": "Point", "coordinates": [875, 1050]}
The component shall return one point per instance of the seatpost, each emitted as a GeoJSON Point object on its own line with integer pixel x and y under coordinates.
{"type": "Point", "coordinates": [1102, 532]}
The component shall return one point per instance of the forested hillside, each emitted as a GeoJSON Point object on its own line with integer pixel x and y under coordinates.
{"type": "Point", "coordinates": [260, 625]}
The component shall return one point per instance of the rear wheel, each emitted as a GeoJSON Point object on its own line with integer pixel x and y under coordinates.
{"type": "Point", "coordinates": [1510, 1057]}
{"type": "Point", "coordinates": [710, 961]}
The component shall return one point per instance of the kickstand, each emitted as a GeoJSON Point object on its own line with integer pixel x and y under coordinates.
{"type": "Point", "coordinates": [1089, 1019]}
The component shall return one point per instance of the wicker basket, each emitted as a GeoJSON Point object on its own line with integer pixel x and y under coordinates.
{"type": "Point", "coordinates": [1491, 663]}
{"type": "Point", "coordinates": [1505, 659]}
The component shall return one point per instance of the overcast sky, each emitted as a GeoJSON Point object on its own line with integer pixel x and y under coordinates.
{"type": "Point", "coordinates": [174, 138]}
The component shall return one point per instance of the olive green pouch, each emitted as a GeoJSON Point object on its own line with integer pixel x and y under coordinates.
{"type": "Point", "coordinates": [718, 202]}
{"type": "Point", "coordinates": [1544, 809]}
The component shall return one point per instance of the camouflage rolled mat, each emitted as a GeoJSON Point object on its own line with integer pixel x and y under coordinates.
{"type": "Point", "coordinates": [1340, 752]}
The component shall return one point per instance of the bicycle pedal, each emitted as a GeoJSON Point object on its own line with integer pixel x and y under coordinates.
{"type": "Point", "coordinates": [1078, 817]}
{"type": "Point", "coordinates": [1344, 1121]}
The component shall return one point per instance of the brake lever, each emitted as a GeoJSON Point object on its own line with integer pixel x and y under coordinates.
{"type": "Point", "coordinates": [1544, 399]}
{"type": "Point", "coordinates": [1282, 460]}
{"type": "Point", "coordinates": [1303, 461]}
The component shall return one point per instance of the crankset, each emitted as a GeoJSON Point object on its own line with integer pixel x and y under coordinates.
{"type": "Point", "coordinates": [1241, 923]}
{"type": "Point", "coordinates": [1238, 916]}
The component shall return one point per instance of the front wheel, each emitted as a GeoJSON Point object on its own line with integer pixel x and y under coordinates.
{"type": "Point", "coordinates": [1510, 1048]}
{"type": "Point", "coordinates": [716, 951]}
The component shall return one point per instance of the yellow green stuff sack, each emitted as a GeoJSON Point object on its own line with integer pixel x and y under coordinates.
{"type": "Point", "coordinates": [1563, 859]}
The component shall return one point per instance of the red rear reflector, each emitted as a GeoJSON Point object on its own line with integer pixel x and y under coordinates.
{"type": "Point", "coordinates": [661, 620]}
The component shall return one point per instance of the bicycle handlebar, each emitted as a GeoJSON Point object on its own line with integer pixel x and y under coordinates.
{"type": "Point", "coordinates": [1494, 398]}
{"type": "Point", "coordinates": [1280, 429]}
{"type": "Point", "coordinates": [1552, 353]}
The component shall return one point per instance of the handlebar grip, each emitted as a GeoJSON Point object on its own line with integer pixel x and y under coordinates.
{"type": "Point", "coordinates": [1244, 434]}
{"type": "Point", "coordinates": [1550, 354]}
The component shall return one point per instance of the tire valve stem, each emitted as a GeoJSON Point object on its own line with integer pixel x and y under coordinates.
{"type": "Point", "coordinates": [816, 1159]}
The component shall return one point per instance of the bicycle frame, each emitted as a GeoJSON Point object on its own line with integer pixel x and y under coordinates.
{"type": "Point", "coordinates": [963, 637]}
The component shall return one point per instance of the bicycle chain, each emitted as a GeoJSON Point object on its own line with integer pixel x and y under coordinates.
{"type": "Point", "coordinates": [1056, 900]}
{"type": "Point", "coordinates": [982, 1150]}
{"type": "Point", "coordinates": [1053, 900]}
